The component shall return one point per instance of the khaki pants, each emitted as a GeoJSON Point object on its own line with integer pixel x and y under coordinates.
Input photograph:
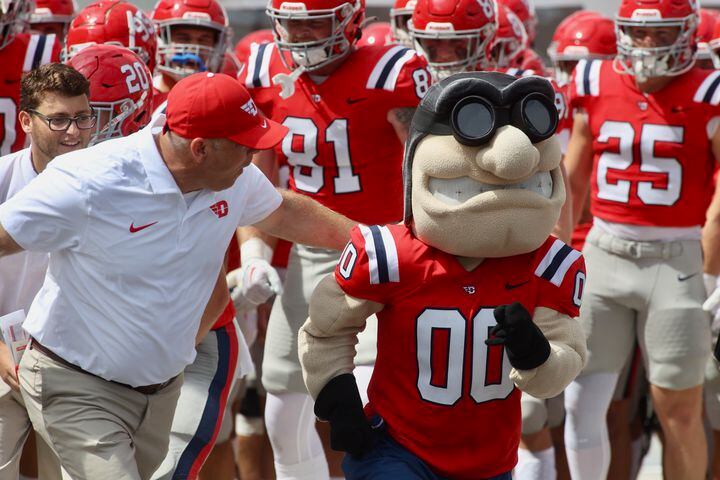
{"type": "Point", "coordinates": [97, 429]}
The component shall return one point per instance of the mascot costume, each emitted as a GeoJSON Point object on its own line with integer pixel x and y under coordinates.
{"type": "Point", "coordinates": [475, 300]}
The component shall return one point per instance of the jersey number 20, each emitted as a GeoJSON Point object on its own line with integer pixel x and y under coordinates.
{"type": "Point", "coordinates": [490, 367]}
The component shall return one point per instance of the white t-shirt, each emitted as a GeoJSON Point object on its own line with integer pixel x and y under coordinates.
{"type": "Point", "coordinates": [21, 274]}
{"type": "Point", "coordinates": [132, 265]}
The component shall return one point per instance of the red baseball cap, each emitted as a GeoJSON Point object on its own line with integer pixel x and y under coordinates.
{"type": "Point", "coordinates": [215, 105]}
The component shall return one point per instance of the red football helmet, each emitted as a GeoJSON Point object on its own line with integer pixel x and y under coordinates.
{"type": "Point", "coordinates": [114, 22]}
{"type": "Point", "coordinates": [377, 33]}
{"type": "Point", "coordinates": [14, 18]}
{"type": "Point", "coordinates": [510, 38]}
{"type": "Point", "coordinates": [242, 49]}
{"type": "Point", "coordinates": [296, 23]}
{"type": "Point", "coordinates": [588, 37]}
{"type": "Point", "coordinates": [667, 53]}
{"type": "Point", "coordinates": [179, 60]}
{"type": "Point", "coordinates": [454, 35]}
{"type": "Point", "coordinates": [564, 24]}
{"type": "Point", "coordinates": [706, 27]}
{"type": "Point", "coordinates": [120, 89]}
{"type": "Point", "coordinates": [400, 15]}
{"type": "Point", "coordinates": [525, 11]}
{"type": "Point", "coordinates": [53, 16]}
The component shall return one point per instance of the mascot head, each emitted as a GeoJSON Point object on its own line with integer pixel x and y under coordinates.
{"type": "Point", "coordinates": [482, 165]}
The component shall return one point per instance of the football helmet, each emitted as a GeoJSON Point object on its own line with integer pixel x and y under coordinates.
{"type": "Point", "coordinates": [120, 89]}
{"type": "Point", "coordinates": [590, 36]}
{"type": "Point", "coordinates": [297, 24]}
{"type": "Point", "coordinates": [454, 35]}
{"type": "Point", "coordinates": [510, 38]}
{"type": "Point", "coordinates": [178, 60]}
{"type": "Point", "coordinates": [400, 15]}
{"type": "Point", "coordinates": [242, 48]}
{"type": "Point", "coordinates": [706, 26]}
{"type": "Point", "coordinates": [376, 33]}
{"type": "Point", "coordinates": [565, 23]}
{"type": "Point", "coordinates": [665, 37]}
{"type": "Point", "coordinates": [113, 22]}
{"type": "Point", "coordinates": [525, 11]}
{"type": "Point", "coordinates": [14, 19]}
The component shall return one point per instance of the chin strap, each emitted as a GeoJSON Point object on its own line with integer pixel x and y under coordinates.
{"type": "Point", "coordinates": [287, 82]}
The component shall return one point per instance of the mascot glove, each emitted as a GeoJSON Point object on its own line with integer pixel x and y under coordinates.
{"type": "Point", "coordinates": [259, 281]}
{"type": "Point", "coordinates": [526, 346]}
{"type": "Point", "coordinates": [339, 403]}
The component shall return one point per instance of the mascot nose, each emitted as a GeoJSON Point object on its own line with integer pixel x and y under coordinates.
{"type": "Point", "coordinates": [510, 155]}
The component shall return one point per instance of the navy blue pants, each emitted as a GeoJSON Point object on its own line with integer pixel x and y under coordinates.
{"type": "Point", "coordinates": [391, 461]}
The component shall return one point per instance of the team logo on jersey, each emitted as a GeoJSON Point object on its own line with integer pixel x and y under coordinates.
{"type": "Point", "coordinates": [469, 289]}
{"type": "Point", "coordinates": [220, 208]}
{"type": "Point", "coordinates": [250, 108]}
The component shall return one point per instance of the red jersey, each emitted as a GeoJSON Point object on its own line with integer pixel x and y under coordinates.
{"type": "Point", "coordinates": [443, 393]}
{"type": "Point", "coordinates": [530, 60]}
{"type": "Point", "coordinates": [26, 52]}
{"type": "Point", "coordinates": [652, 157]}
{"type": "Point", "coordinates": [341, 148]}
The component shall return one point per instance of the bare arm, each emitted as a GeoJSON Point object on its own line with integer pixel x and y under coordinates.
{"type": "Point", "coordinates": [326, 342]}
{"type": "Point", "coordinates": [8, 246]}
{"type": "Point", "coordinates": [564, 226]}
{"type": "Point", "coordinates": [215, 306]}
{"type": "Point", "coordinates": [578, 161]}
{"type": "Point", "coordinates": [302, 220]}
{"type": "Point", "coordinates": [400, 119]}
{"type": "Point", "coordinates": [568, 353]}
{"type": "Point", "coordinates": [711, 230]}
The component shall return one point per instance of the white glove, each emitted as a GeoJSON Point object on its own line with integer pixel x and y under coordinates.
{"type": "Point", "coordinates": [260, 280]}
{"type": "Point", "coordinates": [711, 287]}
{"type": "Point", "coordinates": [234, 282]}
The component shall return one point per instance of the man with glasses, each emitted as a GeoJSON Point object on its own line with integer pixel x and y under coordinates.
{"type": "Point", "coordinates": [55, 113]}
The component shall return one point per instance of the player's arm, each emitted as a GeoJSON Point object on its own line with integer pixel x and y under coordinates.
{"type": "Point", "coordinates": [302, 220]}
{"type": "Point", "coordinates": [326, 342]}
{"type": "Point", "coordinates": [568, 353]}
{"type": "Point", "coordinates": [400, 119]}
{"type": "Point", "coordinates": [578, 162]}
{"type": "Point", "coordinates": [711, 230]}
{"type": "Point", "coordinates": [266, 161]}
{"type": "Point", "coordinates": [8, 246]}
{"type": "Point", "coordinates": [217, 303]}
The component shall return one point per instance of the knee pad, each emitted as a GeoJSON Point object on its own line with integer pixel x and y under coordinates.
{"type": "Point", "coordinates": [534, 414]}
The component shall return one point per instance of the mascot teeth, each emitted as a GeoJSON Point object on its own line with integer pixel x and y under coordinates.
{"type": "Point", "coordinates": [456, 191]}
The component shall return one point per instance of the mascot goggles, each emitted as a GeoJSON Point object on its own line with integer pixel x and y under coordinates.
{"type": "Point", "coordinates": [474, 120]}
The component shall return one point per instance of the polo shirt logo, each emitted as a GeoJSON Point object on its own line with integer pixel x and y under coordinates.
{"type": "Point", "coordinates": [220, 208]}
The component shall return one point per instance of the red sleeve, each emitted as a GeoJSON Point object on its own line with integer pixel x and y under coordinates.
{"type": "Point", "coordinates": [567, 297]}
{"type": "Point", "coordinates": [412, 83]}
{"type": "Point", "coordinates": [353, 272]}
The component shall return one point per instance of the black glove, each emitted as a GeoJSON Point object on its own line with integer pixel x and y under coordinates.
{"type": "Point", "coordinates": [526, 346]}
{"type": "Point", "coordinates": [339, 403]}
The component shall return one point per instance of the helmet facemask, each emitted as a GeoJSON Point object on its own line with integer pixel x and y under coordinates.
{"type": "Point", "coordinates": [316, 53]}
{"type": "Point", "coordinates": [399, 19]}
{"type": "Point", "coordinates": [178, 60]}
{"type": "Point", "coordinates": [673, 57]}
{"type": "Point", "coordinates": [112, 117]}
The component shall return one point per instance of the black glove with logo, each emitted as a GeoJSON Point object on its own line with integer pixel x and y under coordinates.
{"type": "Point", "coordinates": [339, 403]}
{"type": "Point", "coordinates": [526, 346]}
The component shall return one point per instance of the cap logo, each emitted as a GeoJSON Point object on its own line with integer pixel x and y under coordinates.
{"type": "Point", "coordinates": [439, 27]}
{"type": "Point", "coordinates": [250, 108]}
{"type": "Point", "coordinates": [196, 16]}
{"type": "Point", "coordinates": [293, 7]}
{"type": "Point", "coordinates": [646, 14]}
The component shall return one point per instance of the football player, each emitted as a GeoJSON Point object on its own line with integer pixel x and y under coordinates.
{"type": "Point", "coordinates": [706, 27]}
{"type": "Point", "coordinates": [647, 143]}
{"type": "Point", "coordinates": [348, 110]}
{"type": "Point", "coordinates": [120, 89]}
{"type": "Point", "coordinates": [53, 16]}
{"type": "Point", "coordinates": [525, 11]}
{"type": "Point", "coordinates": [19, 53]}
{"type": "Point", "coordinates": [510, 38]}
{"type": "Point", "coordinates": [242, 48]}
{"type": "Point", "coordinates": [400, 15]}
{"type": "Point", "coordinates": [193, 38]}
{"type": "Point", "coordinates": [454, 35]}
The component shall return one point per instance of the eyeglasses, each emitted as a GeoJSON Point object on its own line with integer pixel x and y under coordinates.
{"type": "Point", "coordinates": [60, 124]}
{"type": "Point", "coordinates": [474, 120]}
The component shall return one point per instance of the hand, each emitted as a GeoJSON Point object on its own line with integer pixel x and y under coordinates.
{"type": "Point", "coordinates": [234, 283]}
{"type": "Point", "coordinates": [526, 346]}
{"type": "Point", "coordinates": [7, 368]}
{"type": "Point", "coordinates": [259, 281]}
{"type": "Point", "coordinates": [339, 403]}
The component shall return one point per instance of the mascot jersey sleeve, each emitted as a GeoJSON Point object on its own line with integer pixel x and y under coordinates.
{"type": "Point", "coordinates": [443, 393]}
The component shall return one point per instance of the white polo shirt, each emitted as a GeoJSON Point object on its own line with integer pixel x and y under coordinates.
{"type": "Point", "coordinates": [21, 274]}
{"type": "Point", "coordinates": [132, 265]}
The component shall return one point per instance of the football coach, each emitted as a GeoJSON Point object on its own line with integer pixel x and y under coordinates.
{"type": "Point", "coordinates": [137, 230]}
